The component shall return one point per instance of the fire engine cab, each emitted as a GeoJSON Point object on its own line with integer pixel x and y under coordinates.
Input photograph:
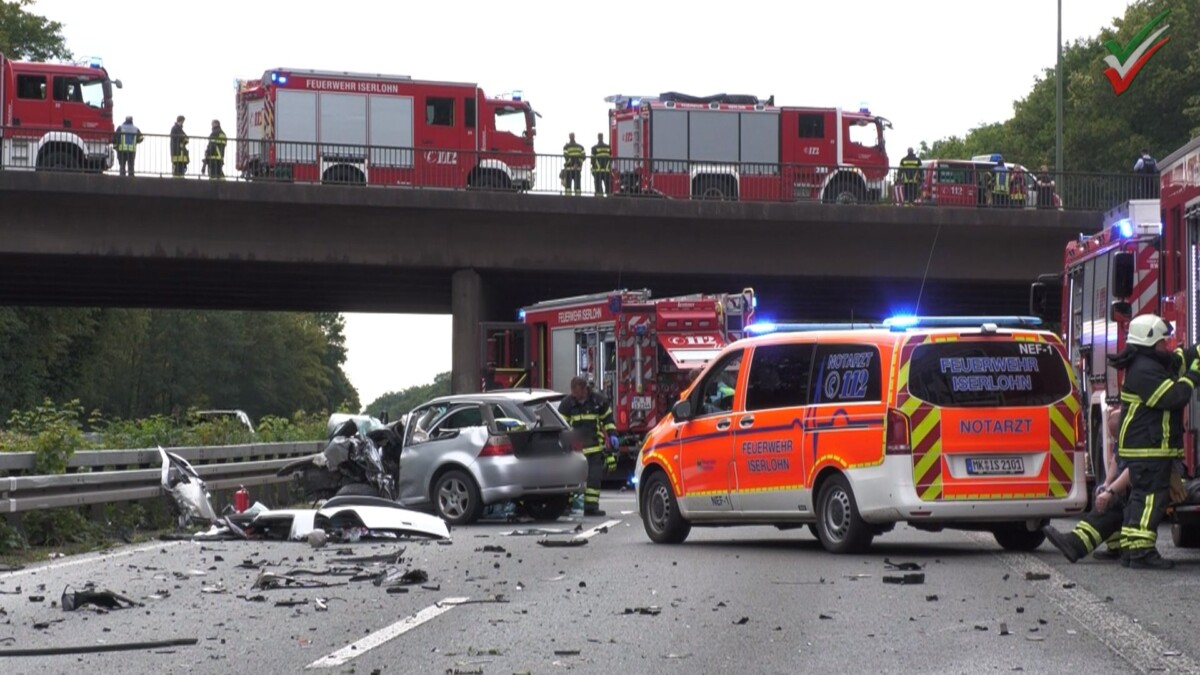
{"type": "Point", "coordinates": [56, 116]}
{"type": "Point", "coordinates": [636, 350]}
{"type": "Point", "coordinates": [741, 147]}
{"type": "Point", "coordinates": [360, 129]}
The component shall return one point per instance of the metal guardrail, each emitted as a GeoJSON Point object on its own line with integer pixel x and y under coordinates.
{"type": "Point", "coordinates": [222, 467]}
{"type": "Point", "coordinates": [959, 183]}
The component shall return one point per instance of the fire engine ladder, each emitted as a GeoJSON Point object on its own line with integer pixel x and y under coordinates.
{"type": "Point", "coordinates": [641, 295]}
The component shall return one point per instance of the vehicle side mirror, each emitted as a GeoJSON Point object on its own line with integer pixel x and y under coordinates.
{"type": "Point", "coordinates": [1037, 300]}
{"type": "Point", "coordinates": [117, 84]}
{"type": "Point", "coordinates": [1120, 310]}
{"type": "Point", "coordinates": [1122, 274]}
{"type": "Point", "coordinates": [682, 410]}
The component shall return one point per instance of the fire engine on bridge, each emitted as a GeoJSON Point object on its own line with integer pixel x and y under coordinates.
{"type": "Point", "coordinates": [636, 350]}
{"type": "Point", "coordinates": [1145, 260]}
{"type": "Point", "coordinates": [741, 147]}
{"type": "Point", "coordinates": [56, 116]}
{"type": "Point", "coordinates": [359, 129]}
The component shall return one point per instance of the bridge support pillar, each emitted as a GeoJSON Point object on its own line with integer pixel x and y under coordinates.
{"type": "Point", "coordinates": [469, 306]}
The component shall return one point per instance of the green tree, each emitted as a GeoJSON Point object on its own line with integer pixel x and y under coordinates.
{"type": "Point", "coordinates": [28, 36]}
{"type": "Point", "coordinates": [1102, 131]}
{"type": "Point", "coordinates": [398, 403]}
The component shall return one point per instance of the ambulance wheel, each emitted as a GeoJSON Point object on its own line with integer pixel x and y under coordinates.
{"type": "Point", "coordinates": [660, 513]}
{"type": "Point", "coordinates": [839, 526]}
{"type": "Point", "coordinates": [1017, 537]}
{"type": "Point", "coordinates": [1185, 536]}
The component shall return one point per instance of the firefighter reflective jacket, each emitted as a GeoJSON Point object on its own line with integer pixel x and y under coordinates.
{"type": "Point", "coordinates": [910, 169]}
{"type": "Point", "coordinates": [573, 154]}
{"type": "Point", "coordinates": [216, 146]}
{"type": "Point", "coordinates": [1000, 180]}
{"type": "Point", "coordinates": [1157, 387]}
{"type": "Point", "coordinates": [601, 157]}
{"type": "Point", "coordinates": [591, 418]}
{"type": "Point", "coordinates": [126, 138]}
{"type": "Point", "coordinates": [179, 143]}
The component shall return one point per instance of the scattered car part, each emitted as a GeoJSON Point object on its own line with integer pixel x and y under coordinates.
{"type": "Point", "coordinates": [189, 492]}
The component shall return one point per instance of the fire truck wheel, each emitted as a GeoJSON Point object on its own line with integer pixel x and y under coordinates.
{"type": "Point", "coordinates": [660, 515]}
{"type": "Point", "coordinates": [60, 161]}
{"type": "Point", "coordinates": [839, 525]}
{"type": "Point", "coordinates": [547, 509]}
{"type": "Point", "coordinates": [843, 191]}
{"type": "Point", "coordinates": [1017, 537]}
{"type": "Point", "coordinates": [456, 498]}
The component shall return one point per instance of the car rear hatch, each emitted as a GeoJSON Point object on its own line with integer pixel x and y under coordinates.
{"type": "Point", "coordinates": [991, 417]}
{"type": "Point", "coordinates": [542, 432]}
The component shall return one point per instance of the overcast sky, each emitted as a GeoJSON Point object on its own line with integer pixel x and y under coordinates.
{"type": "Point", "coordinates": [927, 65]}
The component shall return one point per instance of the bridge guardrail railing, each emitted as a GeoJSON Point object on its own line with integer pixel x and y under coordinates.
{"type": "Point", "coordinates": [956, 183]}
{"type": "Point", "coordinates": [106, 476]}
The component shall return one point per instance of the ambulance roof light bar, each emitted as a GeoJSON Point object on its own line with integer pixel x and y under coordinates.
{"type": "Point", "coordinates": [901, 322]}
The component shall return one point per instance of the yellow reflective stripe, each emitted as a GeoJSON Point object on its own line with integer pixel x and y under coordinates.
{"type": "Point", "coordinates": [1166, 430]}
{"type": "Point", "coordinates": [1130, 398]}
{"type": "Point", "coordinates": [1144, 523]}
{"type": "Point", "coordinates": [1150, 453]}
{"type": "Point", "coordinates": [1129, 413]}
{"type": "Point", "coordinates": [1160, 392]}
{"type": "Point", "coordinates": [592, 450]}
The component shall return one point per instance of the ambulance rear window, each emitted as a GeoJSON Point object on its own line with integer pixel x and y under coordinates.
{"type": "Point", "coordinates": [970, 374]}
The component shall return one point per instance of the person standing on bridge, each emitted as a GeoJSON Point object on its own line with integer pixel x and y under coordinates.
{"type": "Point", "coordinates": [1159, 383]}
{"type": "Point", "coordinates": [179, 149]}
{"type": "Point", "coordinates": [573, 154]}
{"type": "Point", "coordinates": [126, 139]}
{"type": "Point", "coordinates": [999, 183]}
{"type": "Point", "coordinates": [602, 166]}
{"type": "Point", "coordinates": [590, 415]}
{"type": "Point", "coordinates": [214, 154]}
{"type": "Point", "coordinates": [1147, 180]}
{"type": "Point", "coordinates": [910, 177]}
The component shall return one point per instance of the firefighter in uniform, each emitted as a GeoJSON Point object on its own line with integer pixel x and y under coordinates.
{"type": "Point", "coordinates": [1158, 385]}
{"type": "Point", "coordinates": [591, 417]}
{"type": "Point", "coordinates": [126, 139]}
{"type": "Point", "coordinates": [601, 166]}
{"type": "Point", "coordinates": [179, 149]}
{"type": "Point", "coordinates": [999, 182]}
{"type": "Point", "coordinates": [214, 154]}
{"type": "Point", "coordinates": [910, 177]}
{"type": "Point", "coordinates": [573, 154]}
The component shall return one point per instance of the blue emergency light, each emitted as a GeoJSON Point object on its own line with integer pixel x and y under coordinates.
{"type": "Point", "coordinates": [95, 62]}
{"type": "Point", "coordinates": [1124, 228]}
{"type": "Point", "coordinates": [279, 79]}
{"type": "Point", "coordinates": [754, 302]}
{"type": "Point", "coordinates": [520, 315]}
{"type": "Point", "coordinates": [902, 321]}
{"type": "Point", "coordinates": [517, 94]}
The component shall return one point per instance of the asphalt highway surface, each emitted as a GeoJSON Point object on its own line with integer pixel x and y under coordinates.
{"type": "Point", "coordinates": [495, 600]}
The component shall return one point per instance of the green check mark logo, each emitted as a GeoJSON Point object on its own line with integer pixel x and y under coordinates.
{"type": "Point", "coordinates": [1124, 62]}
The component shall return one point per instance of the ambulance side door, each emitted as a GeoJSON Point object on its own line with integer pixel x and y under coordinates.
{"type": "Point", "coordinates": [769, 432]}
{"type": "Point", "coordinates": [706, 439]}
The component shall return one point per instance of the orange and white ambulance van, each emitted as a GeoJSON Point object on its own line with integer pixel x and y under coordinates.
{"type": "Point", "coordinates": [938, 422]}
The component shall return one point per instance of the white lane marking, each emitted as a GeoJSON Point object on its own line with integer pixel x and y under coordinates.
{"type": "Point", "coordinates": [605, 526]}
{"type": "Point", "coordinates": [383, 635]}
{"type": "Point", "coordinates": [1144, 651]}
{"type": "Point", "coordinates": [71, 562]}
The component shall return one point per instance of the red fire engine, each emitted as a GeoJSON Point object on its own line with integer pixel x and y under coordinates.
{"type": "Point", "coordinates": [740, 147]}
{"type": "Point", "coordinates": [636, 350]}
{"type": "Point", "coordinates": [56, 116]}
{"type": "Point", "coordinates": [321, 126]}
{"type": "Point", "coordinates": [1146, 259]}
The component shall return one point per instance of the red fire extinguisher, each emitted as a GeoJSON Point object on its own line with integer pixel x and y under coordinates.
{"type": "Point", "coordinates": [241, 499]}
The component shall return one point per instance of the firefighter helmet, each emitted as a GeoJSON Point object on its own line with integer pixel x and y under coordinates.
{"type": "Point", "coordinates": [1146, 330]}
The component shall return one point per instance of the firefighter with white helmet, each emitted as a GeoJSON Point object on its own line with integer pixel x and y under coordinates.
{"type": "Point", "coordinates": [1159, 382]}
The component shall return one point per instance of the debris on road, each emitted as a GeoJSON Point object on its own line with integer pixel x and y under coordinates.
{"type": "Point", "coordinates": [902, 566]}
{"type": "Point", "coordinates": [1036, 576]}
{"type": "Point", "coordinates": [906, 579]}
{"type": "Point", "coordinates": [73, 599]}
{"type": "Point", "coordinates": [562, 542]}
{"type": "Point", "coordinates": [1004, 629]}
{"type": "Point", "coordinates": [742, 621]}
{"type": "Point", "coordinates": [566, 652]}
{"type": "Point", "coordinates": [88, 649]}
{"type": "Point", "coordinates": [824, 616]}
{"type": "Point", "coordinates": [409, 577]}
{"type": "Point", "coordinates": [653, 610]}
{"type": "Point", "coordinates": [931, 598]}
{"type": "Point", "coordinates": [267, 581]}
{"type": "Point", "coordinates": [189, 493]}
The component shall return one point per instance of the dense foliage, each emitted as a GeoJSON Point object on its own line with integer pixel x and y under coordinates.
{"type": "Point", "coordinates": [127, 363]}
{"type": "Point", "coordinates": [1102, 131]}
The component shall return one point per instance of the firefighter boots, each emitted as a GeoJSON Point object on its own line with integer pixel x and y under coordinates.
{"type": "Point", "coordinates": [1150, 561]}
{"type": "Point", "coordinates": [1068, 544]}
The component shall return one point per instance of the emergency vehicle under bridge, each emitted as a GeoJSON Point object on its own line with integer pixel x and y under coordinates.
{"type": "Point", "coordinates": [638, 351]}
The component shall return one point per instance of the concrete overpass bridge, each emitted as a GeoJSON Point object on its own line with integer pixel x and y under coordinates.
{"type": "Point", "coordinates": [86, 240]}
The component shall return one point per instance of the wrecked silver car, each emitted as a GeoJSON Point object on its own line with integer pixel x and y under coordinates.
{"type": "Point", "coordinates": [360, 458]}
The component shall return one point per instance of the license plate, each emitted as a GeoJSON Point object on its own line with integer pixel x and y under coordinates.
{"type": "Point", "coordinates": [1006, 466]}
{"type": "Point", "coordinates": [642, 403]}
